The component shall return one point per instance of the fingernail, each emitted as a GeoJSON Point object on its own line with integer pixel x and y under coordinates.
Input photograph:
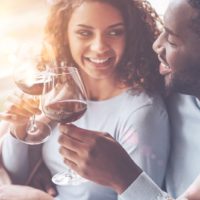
{"type": "Point", "coordinates": [52, 192]}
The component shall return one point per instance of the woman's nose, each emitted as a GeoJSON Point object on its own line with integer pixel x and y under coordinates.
{"type": "Point", "coordinates": [99, 44]}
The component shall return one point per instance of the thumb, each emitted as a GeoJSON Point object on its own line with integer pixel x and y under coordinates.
{"type": "Point", "coordinates": [51, 190]}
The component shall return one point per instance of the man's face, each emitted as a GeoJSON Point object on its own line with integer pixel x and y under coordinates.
{"type": "Point", "coordinates": [178, 49]}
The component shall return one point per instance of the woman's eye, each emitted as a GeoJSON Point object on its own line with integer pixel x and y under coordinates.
{"type": "Point", "coordinates": [84, 33]}
{"type": "Point", "coordinates": [118, 32]}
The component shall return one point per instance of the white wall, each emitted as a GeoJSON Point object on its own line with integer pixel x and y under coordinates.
{"type": "Point", "coordinates": [159, 5]}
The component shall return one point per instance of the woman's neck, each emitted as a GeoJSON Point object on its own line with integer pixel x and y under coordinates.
{"type": "Point", "coordinates": [103, 89]}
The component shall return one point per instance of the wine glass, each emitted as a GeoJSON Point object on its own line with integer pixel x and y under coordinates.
{"type": "Point", "coordinates": [29, 75]}
{"type": "Point", "coordinates": [64, 100]}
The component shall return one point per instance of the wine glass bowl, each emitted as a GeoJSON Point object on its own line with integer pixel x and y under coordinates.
{"type": "Point", "coordinates": [64, 100]}
{"type": "Point", "coordinates": [32, 85]}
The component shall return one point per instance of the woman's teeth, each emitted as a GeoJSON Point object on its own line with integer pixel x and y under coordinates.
{"type": "Point", "coordinates": [98, 61]}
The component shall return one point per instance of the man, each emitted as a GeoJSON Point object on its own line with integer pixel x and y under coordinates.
{"type": "Point", "coordinates": [98, 157]}
{"type": "Point", "coordinates": [184, 114]}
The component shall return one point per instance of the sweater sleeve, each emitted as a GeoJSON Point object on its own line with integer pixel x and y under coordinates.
{"type": "Point", "coordinates": [15, 158]}
{"type": "Point", "coordinates": [143, 188]}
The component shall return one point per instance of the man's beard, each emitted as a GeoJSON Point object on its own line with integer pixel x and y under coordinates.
{"type": "Point", "coordinates": [185, 81]}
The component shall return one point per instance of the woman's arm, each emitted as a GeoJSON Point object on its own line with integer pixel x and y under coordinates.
{"type": "Point", "coordinates": [4, 176]}
{"type": "Point", "coordinates": [13, 192]}
{"type": "Point", "coordinates": [15, 159]}
{"type": "Point", "coordinates": [15, 154]}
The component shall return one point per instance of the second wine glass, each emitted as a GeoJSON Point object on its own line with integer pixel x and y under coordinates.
{"type": "Point", "coordinates": [64, 100]}
{"type": "Point", "coordinates": [29, 74]}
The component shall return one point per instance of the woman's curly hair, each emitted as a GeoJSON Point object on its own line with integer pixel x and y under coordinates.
{"type": "Point", "coordinates": [138, 67]}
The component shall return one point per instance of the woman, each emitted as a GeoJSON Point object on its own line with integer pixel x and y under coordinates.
{"type": "Point", "coordinates": [110, 42]}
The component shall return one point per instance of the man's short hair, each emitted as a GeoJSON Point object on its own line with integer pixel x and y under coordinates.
{"type": "Point", "coordinates": [196, 21]}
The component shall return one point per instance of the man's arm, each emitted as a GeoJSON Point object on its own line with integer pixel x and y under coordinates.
{"type": "Point", "coordinates": [99, 158]}
{"type": "Point", "coordinates": [143, 188]}
{"type": "Point", "coordinates": [193, 191]}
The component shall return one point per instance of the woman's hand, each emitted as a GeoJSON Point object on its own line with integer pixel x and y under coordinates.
{"type": "Point", "coordinates": [13, 192]}
{"type": "Point", "coordinates": [19, 108]}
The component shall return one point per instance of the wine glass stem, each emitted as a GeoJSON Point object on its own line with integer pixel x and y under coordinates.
{"type": "Point", "coordinates": [32, 126]}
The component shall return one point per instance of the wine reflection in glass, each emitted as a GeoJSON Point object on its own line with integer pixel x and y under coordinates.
{"type": "Point", "coordinates": [29, 76]}
{"type": "Point", "coordinates": [64, 100]}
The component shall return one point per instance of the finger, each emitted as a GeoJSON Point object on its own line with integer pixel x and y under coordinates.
{"type": "Point", "coordinates": [50, 189]}
{"type": "Point", "coordinates": [75, 132]}
{"type": "Point", "coordinates": [69, 154]}
{"type": "Point", "coordinates": [71, 165]}
{"type": "Point", "coordinates": [24, 104]}
{"type": "Point", "coordinates": [33, 102]}
{"type": "Point", "coordinates": [12, 118]}
{"type": "Point", "coordinates": [19, 111]}
{"type": "Point", "coordinates": [70, 143]}
{"type": "Point", "coordinates": [31, 110]}
{"type": "Point", "coordinates": [7, 116]}
{"type": "Point", "coordinates": [27, 107]}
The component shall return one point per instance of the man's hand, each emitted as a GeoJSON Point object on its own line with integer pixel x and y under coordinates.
{"type": "Point", "coordinates": [13, 192]}
{"type": "Point", "coordinates": [193, 192]}
{"type": "Point", "coordinates": [97, 157]}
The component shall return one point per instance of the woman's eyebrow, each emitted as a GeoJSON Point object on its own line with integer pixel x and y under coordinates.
{"type": "Point", "coordinates": [111, 26]}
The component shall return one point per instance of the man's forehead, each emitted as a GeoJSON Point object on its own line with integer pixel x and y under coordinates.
{"type": "Point", "coordinates": [178, 17]}
{"type": "Point", "coordinates": [182, 10]}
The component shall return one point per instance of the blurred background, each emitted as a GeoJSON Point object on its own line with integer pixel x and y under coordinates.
{"type": "Point", "coordinates": [22, 20]}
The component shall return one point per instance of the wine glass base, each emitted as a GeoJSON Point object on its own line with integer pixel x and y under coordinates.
{"type": "Point", "coordinates": [68, 178]}
{"type": "Point", "coordinates": [40, 134]}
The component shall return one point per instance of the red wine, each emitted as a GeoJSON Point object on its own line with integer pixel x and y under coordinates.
{"type": "Point", "coordinates": [65, 111]}
{"type": "Point", "coordinates": [35, 87]}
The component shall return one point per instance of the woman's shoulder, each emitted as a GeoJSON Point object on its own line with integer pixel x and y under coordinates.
{"type": "Point", "coordinates": [140, 99]}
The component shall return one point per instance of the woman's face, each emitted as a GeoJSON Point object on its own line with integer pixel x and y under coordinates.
{"type": "Point", "coordinates": [96, 37]}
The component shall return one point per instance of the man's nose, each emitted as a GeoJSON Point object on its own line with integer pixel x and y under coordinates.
{"type": "Point", "coordinates": [158, 45]}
